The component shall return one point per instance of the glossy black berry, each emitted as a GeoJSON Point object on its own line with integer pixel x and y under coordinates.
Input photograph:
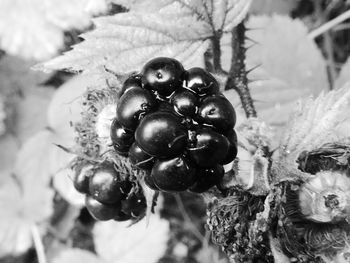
{"type": "Point", "coordinates": [207, 178]}
{"type": "Point", "coordinates": [201, 82]}
{"type": "Point", "coordinates": [218, 112]}
{"type": "Point", "coordinates": [173, 175]}
{"type": "Point", "coordinates": [185, 103]}
{"type": "Point", "coordinates": [161, 134]}
{"type": "Point", "coordinates": [121, 216]}
{"type": "Point", "coordinates": [104, 186]}
{"type": "Point", "coordinates": [120, 135]}
{"type": "Point", "coordinates": [150, 182]}
{"type": "Point", "coordinates": [133, 106]}
{"type": "Point", "coordinates": [101, 211]}
{"type": "Point", "coordinates": [134, 205]}
{"type": "Point", "coordinates": [131, 82]}
{"type": "Point", "coordinates": [139, 158]}
{"type": "Point", "coordinates": [163, 75]}
{"type": "Point", "coordinates": [232, 149]}
{"type": "Point", "coordinates": [209, 148]}
{"type": "Point", "coordinates": [81, 180]}
{"type": "Point", "coordinates": [166, 106]}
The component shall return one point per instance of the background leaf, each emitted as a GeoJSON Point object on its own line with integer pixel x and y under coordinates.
{"type": "Point", "coordinates": [217, 15]}
{"type": "Point", "coordinates": [115, 241]}
{"type": "Point", "coordinates": [290, 66]}
{"type": "Point", "coordinates": [77, 256]}
{"type": "Point", "coordinates": [21, 20]}
{"type": "Point", "coordinates": [21, 208]}
{"type": "Point", "coordinates": [39, 158]}
{"type": "Point", "coordinates": [126, 41]}
{"type": "Point", "coordinates": [344, 75]}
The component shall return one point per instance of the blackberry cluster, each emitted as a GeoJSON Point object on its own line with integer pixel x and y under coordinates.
{"type": "Point", "coordinates": [108, 196]}
{"type": "Point", "coordinates": [176, 125]}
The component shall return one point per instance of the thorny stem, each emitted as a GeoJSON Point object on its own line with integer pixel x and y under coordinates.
{"type": "Point", "coordinates": [215, 40]}
{"type": "Point", "coordinates": [213, 57]}
{"type": "Point", "coordinates": [237, 77]}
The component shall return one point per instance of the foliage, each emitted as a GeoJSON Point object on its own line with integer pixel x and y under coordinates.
{"type": "Point", "coordinates": [34, 117]}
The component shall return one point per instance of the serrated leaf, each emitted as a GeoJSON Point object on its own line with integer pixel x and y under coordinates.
{"type": "Point", "coordinates": [126, 41]}
{"type": "Point", "coordinates": [77, 256]}
{"type": "Point", "coordinates": [114, 240]}
{"type": "Point", "coordinates": [291, 66]}
{"type": "Point", "coordinates": [344, 75]}
{"type": "Point", "coordinates": [316, 122]}
{"type": "Point", "coordinates": [21, 21]}
{"type": "Point", "coordinates": [220, 15]}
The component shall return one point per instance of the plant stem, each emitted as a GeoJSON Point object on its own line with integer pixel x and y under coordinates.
{"type": "Point", "coordinates": [237, 77]}
{"type": "Point", "coordinates": [330, 24]}
{"type": "Point", "coordinates": [215, 40]}
{"type": "Point", "coordinates": [38, 244]}
{"type": "Point", "coordinates": [187, 218]}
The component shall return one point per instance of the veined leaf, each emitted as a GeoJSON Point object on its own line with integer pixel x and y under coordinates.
{"type": "Point", "coordinates": [217, 15]}
{"type": "Point", "coordinates": [124, 42]}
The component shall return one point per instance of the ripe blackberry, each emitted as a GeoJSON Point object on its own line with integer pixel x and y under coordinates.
{"type": "Point", "coordinates": [176, 125]}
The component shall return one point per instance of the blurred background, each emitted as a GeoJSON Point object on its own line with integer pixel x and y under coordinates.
{"type": "Point", "coordinates": [303, 48]}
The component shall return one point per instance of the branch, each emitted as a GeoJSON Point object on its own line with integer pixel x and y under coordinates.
{"type": "Point", "coordinates": [237, 78]}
